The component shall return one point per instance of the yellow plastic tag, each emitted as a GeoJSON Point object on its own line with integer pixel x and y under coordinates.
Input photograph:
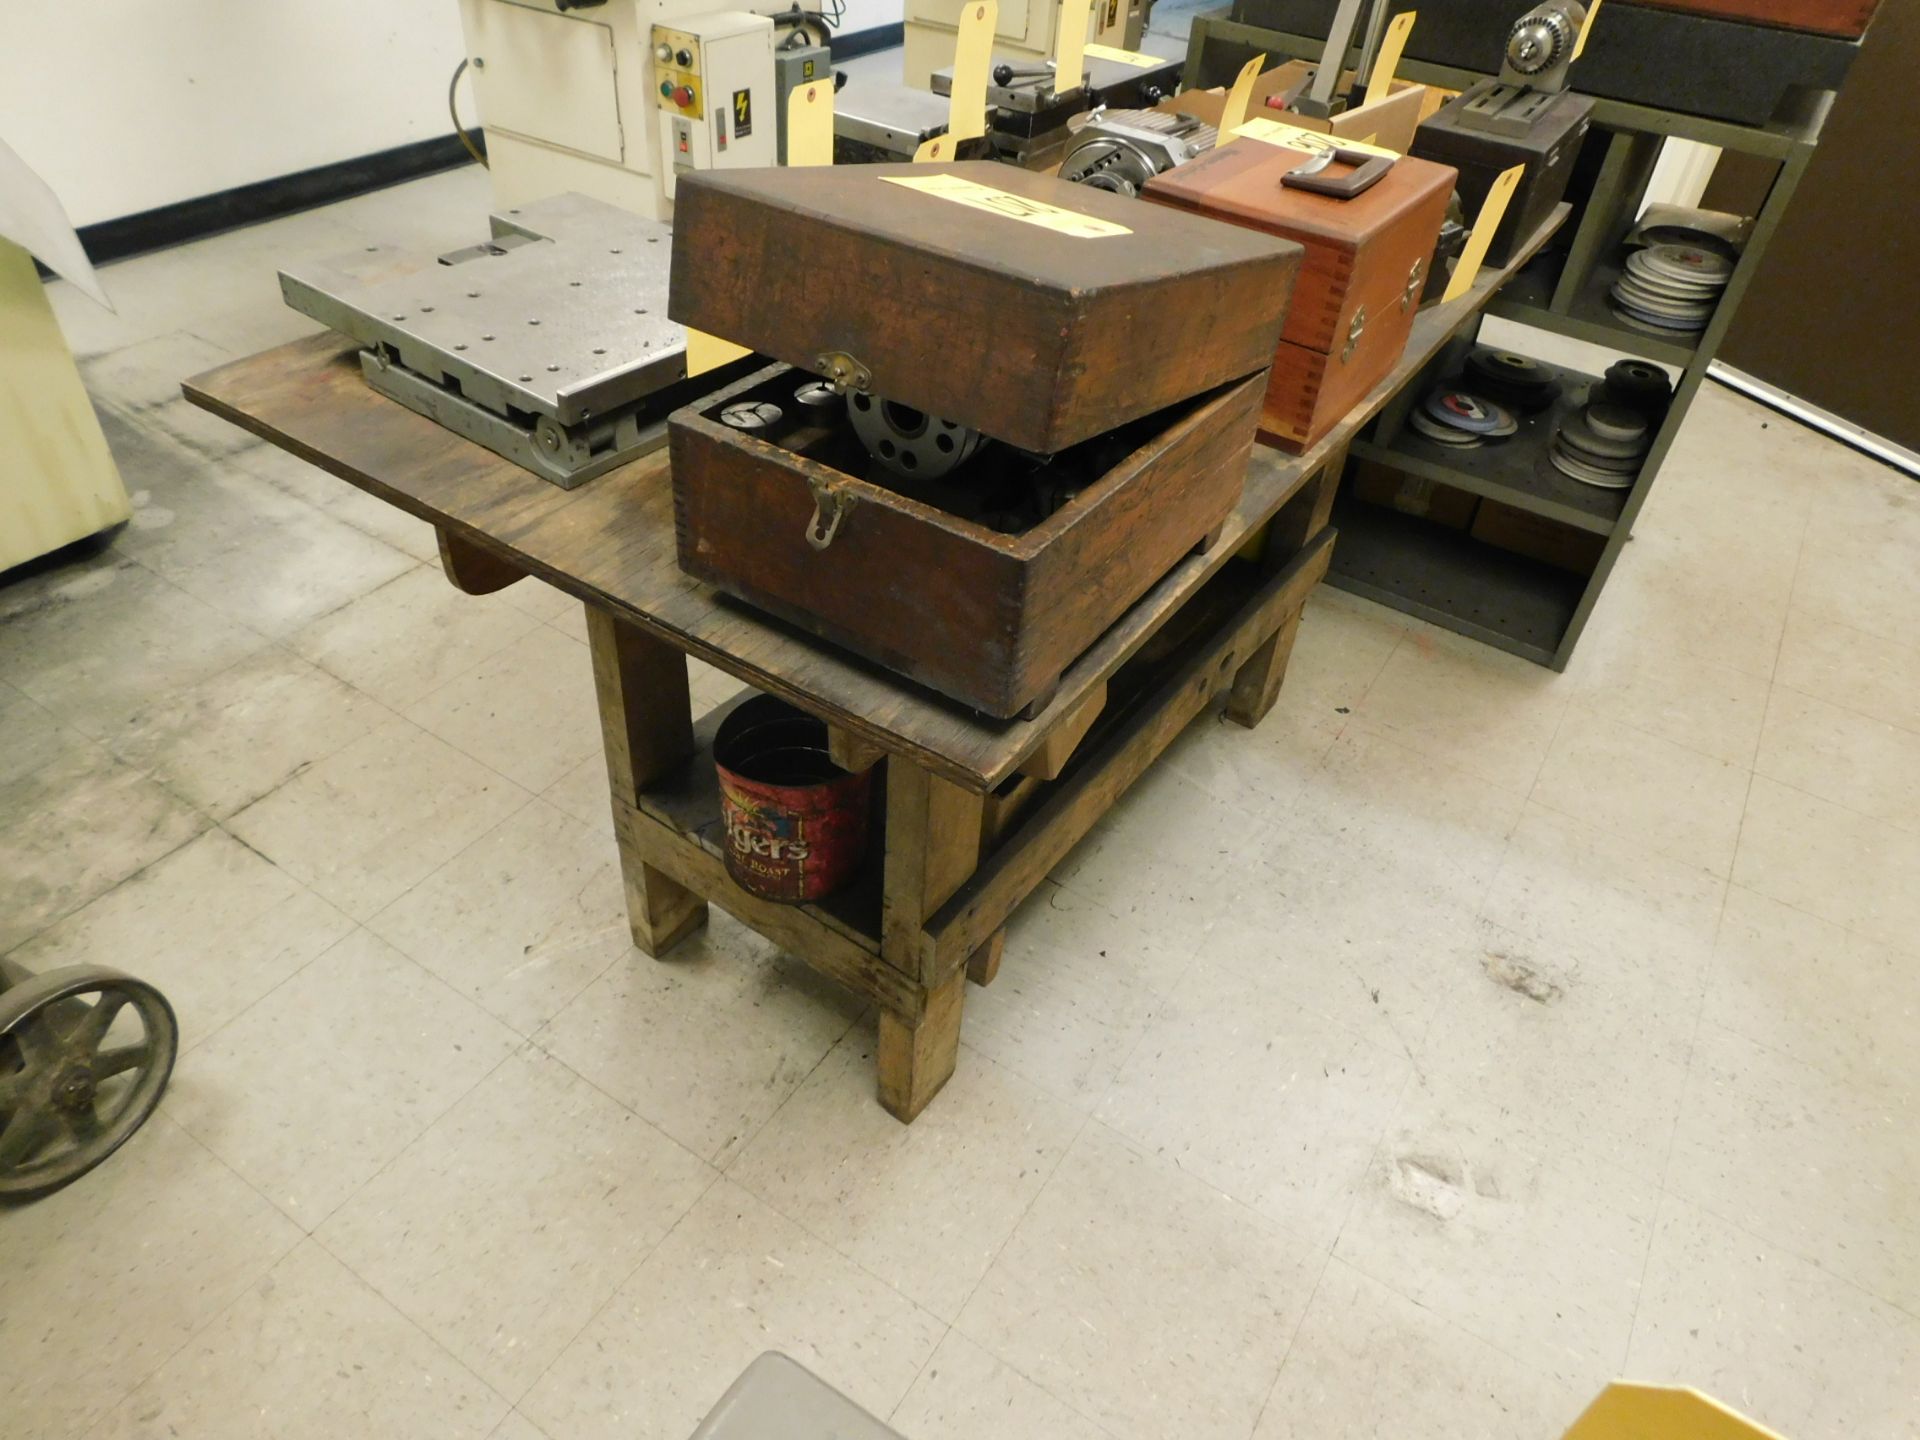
{"type": "Point", "coordinates": [1121, 57]}
{"type": "Point", "coordinates": [1467, 267]}
{"type": "Point", "coordinates": [972, 55]}
{"type": "Point", "coordinates": [1626, 1411]}
{"type": "Point", "coordinates": [1293, 137]}
{"type": "Point", "coordinates": [1586, 28]}
{"type": "Point", "coordinates": [1069, 43]}
{"type": "Point", "coordinates": [1234, 113]}
{"type": "Point", "coordinates": [1015, 207]}
{"type": "Point", "coordinates": [709, 352]}
{"type": "Point", "coordinates": [810, 124]}
{"type": "Point", "coordinates": [1380, 83]}
{"type": "Point", "coordinates": [935, 149]}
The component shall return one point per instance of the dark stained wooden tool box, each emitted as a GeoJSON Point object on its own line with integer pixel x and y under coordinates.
{"type": "Point", "coordinates": [1112, 353]}
{"type": "Point", "coordinates": [1031, 335]}
{"type": "Point", "coordinates": [1824, 17]}
{"type": "Point", "coordinates": [1360, 282]}
{"type": "Point", "coordinates": [987, 618]}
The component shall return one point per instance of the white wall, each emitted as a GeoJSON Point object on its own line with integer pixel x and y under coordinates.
{"type": "Point", "coordinates": [861, 14]}
{"type": "Point", "coordinates": [124, 105]}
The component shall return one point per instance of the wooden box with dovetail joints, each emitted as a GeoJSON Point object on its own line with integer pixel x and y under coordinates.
{"type": "Point", "coordinates": [1004, 408]}
{"type": "Point", "coordinates": [1366, 262]}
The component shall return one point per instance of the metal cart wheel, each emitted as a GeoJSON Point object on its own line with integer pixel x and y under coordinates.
{"type": "Point", "coordinates": [85, 1053]}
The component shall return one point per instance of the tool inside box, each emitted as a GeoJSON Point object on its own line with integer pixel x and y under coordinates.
{"type": "Point", "coordinates": [1000, 486]}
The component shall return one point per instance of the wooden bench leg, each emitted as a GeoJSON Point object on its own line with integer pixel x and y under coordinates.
{"type": "Point", "coordinates": [472, 569]}
{"type": "Point", "coordinates": [646, 725]}
{"type": "Point", "coordinates": [1256, 684]}
{"type": "Point", "coordinates": [1306, 514]}
{"type": "Point", "coordinates": [916, 1059]}
{"type": "Point", "coordinates": [933, 845]}
{"type": "Point", "coordinates": [984, 963]}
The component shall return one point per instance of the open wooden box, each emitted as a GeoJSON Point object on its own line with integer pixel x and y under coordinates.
{"type": "Point", "coordinates": [919, 578]}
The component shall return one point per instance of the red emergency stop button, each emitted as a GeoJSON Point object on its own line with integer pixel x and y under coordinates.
{"type": "Point", "coordinates": [683, 95]}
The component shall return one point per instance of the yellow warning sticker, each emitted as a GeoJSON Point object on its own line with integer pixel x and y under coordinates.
{"type": "Point", "coordinates": [1293, 137]}
{"type": "Point", "coordinates": [1015, 207]}
{"type": "Point", "coordinates": [1122, 57]}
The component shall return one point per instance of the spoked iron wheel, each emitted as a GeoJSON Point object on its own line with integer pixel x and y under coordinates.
{"type": "Point", "coordinates": [85, 1053]}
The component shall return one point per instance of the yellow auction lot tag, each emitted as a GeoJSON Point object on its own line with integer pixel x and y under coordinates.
{"type": "Point", "coordinates": [1015, 207]}
{"type": "Point", "coordinates": [1293, 137]}
{"type": "Point", "coordinates": [1122, 57]}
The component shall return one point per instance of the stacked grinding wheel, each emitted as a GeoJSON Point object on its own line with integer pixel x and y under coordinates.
{"type": "Point", "coordinates": [1639, 385]}
{"type": "Point", "coordinates": [1671, 289]}
{"type": "Point", "coordinates": [1601, 445]}
{"type": "Point", "coordinates": [1516, 381]}
{"type": "Point", "coordinates": [1460, 420]}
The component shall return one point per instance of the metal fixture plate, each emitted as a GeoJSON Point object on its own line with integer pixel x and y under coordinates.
{"type": "Point", "coordinates": [1103, 80]}
{"type": "Point", "coordinates": [563, 316]}
{"type": "Point", "coordinates": [888, 116]}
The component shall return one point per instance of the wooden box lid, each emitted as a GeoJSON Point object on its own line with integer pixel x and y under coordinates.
{"type": "Point", "coordinates": [1825, 17]}
{"type": "Point", "coordinates": [1038, 312]}
{"type": "Point", "coordinates": [1240, 181]}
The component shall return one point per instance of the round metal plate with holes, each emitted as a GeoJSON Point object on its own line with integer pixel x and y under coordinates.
{"type": "Point", "coordinates": [85, 1053]}
{"type": "Point", "coordinates": [909, 442]}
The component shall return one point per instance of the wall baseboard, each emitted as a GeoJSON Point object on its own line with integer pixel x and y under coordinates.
{"type": "Point", "coordinates": [268, 199]}
{"type": "Point", "coordinates": [206, 215]}
{"type": "Point", "coordinates": [1826, 421]}
{"type": "Point", "coordinates": [866, 42]}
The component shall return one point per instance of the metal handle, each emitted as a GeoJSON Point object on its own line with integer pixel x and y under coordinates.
{"type": "Point", "coordinates": [830, 508]}
{"type": "Point", "coordinates": [1367, 173]}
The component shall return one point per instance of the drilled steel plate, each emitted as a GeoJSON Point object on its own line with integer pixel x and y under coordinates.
{"type": "Point", "coordinates": [563, 316]}
{"type": "Point", "coordinates": [887, 116]}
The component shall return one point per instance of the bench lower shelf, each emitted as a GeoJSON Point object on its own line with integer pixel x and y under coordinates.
{"type": "Point", "coordinates": [675, 825]}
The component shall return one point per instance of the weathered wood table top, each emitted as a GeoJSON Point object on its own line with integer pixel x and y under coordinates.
{"type": "Point", "coordinates": [610, 542]}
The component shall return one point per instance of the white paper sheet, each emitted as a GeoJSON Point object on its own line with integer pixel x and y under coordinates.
{"type": "Point", "coordinates": [32, 217]}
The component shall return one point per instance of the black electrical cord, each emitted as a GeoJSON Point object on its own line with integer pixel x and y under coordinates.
{"type": "Point", "coordinates": [805, 22]}
{"type": "Point", "coordinates": [453, 109]}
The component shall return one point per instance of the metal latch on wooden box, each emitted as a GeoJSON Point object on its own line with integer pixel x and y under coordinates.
{"type": "Point", "coordinates": [844, 372]}
{"type": "Point", "coordinates": [830, 506]}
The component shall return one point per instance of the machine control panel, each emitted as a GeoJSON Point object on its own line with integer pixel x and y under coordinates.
{"type": "Point", "coordinates": [676, 60]}
{"type": "Point", "coordinates": [713, 75]}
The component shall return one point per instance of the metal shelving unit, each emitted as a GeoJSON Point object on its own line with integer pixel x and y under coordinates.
{"type": "Point", "coordinates": [1514, 471]}
{"type": "Point", "coordinates": [1439, 572]}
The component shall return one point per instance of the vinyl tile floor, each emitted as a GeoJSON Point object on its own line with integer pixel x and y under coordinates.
{"type": "Point", "coordinates": [1463, 1038]}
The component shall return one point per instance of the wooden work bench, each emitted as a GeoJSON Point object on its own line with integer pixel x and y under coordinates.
{"type": "Point", "coordinates": [976, 811]}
